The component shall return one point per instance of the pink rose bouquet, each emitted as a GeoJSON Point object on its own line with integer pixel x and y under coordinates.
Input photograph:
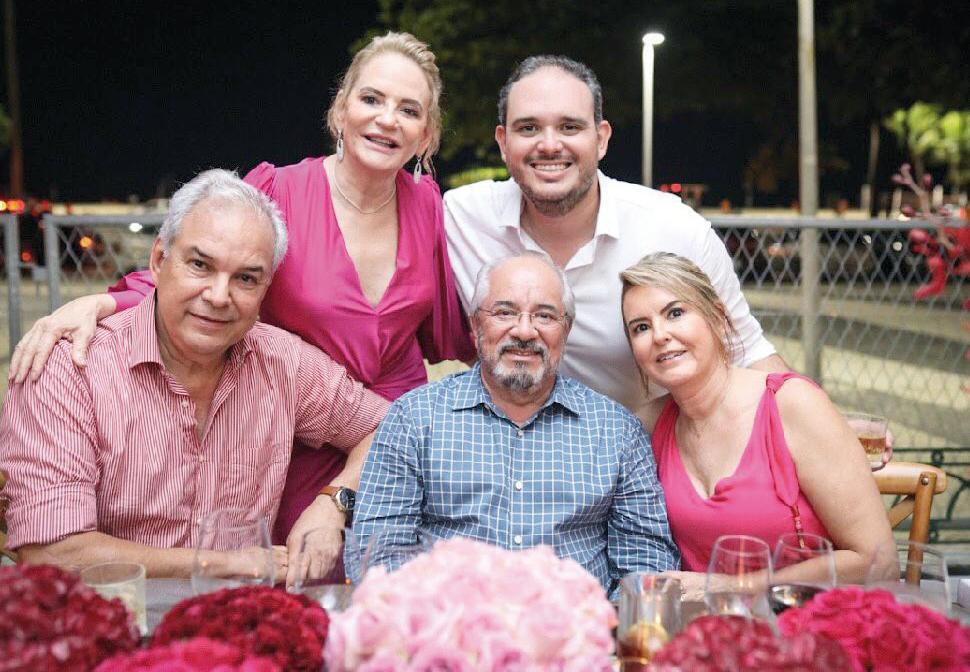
{"type": "Point", "coordinates": [50, 620]}
{"type": "Point", "coordinates": [290, 630]}
{"type": "Point", "coordinates": [879, 633]}
{"type": "Point", "coordinates": [733, 643]}
{"type": "Point", "coordinates": [193, 655]}
{"type": "Point", "coordinates": [469, 606]}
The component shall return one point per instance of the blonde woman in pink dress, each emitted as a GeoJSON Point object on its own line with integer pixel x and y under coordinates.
{"type": "Point", "coordinates": [741, 451]}
{"type": "Point", "coordinates": [366, 276]}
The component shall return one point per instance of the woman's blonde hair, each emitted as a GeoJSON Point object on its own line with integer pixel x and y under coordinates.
{"type": "Point", "coordinates": [406, 45]}
{"type": "Point", "coordinates": [682, 278]}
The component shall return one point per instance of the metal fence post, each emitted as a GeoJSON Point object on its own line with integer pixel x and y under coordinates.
{"type": "Point", "coordinates": [811, 345]}
{"type": "Point", "coordinates": [52, 256]}
{"type": "Point", "coordinates": [11, 241]}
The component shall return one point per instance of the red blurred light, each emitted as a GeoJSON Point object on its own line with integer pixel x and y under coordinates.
{"type": "Point", "coordinates": [26, 257]}
{"type": "Point", "coordinates": [676, 187]}
{"type": "Point", "coordinates": [664, 188]}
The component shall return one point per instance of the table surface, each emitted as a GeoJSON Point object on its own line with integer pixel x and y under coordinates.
{"type": "Point", "coordinates": [162, 594]}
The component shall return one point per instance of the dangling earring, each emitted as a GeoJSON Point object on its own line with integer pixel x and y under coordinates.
{"type": "Point", "coordinates": [417, 169]}
{"type": "Point", "coordinates": [340, 145]}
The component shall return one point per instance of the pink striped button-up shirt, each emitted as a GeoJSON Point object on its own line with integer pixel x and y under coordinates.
{"type": "Point", "coordinates": [113, 447]}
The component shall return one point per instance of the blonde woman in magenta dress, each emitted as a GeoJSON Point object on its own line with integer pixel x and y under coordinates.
{"type": "Point", "coordinates": [741, 451]}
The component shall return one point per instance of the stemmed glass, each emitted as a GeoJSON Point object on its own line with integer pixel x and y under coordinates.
{"type": "Point", "coordinates": [233, 549]}
{"type": "Point", "coordinates": [815, 559]}
{"type": "Point", "coordinates": [737, 575]}
{"type": "Point", "coordinates": [318, 575]}
{"type": "Point", "coordinates": [871, 431]}
{"type": "Point", "coordinates": [391, 548]}
{"type": "Point", "coordinates": [919, 575]}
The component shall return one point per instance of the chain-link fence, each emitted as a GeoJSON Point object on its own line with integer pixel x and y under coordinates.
{"type": "Point", "coordinates": [836, 297]}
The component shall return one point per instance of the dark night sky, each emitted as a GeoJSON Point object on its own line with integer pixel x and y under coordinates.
{"type": "Point", "coordinates": [126, 97]}
{"type": "Point", "coordinates": [119, 97]}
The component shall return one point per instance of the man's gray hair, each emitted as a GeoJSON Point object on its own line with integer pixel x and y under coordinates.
{"type": "Point", "coordinates": [580, 71]}
{"type": "Point", "coordinates": [483, 281]}
{"type": "Point", "coordinates": [225, 186]}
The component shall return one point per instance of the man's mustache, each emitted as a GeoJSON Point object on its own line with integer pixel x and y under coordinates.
{"type": "Point", "coordinates": [523, 346]}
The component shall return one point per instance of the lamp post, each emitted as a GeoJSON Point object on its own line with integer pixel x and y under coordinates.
{"type": "Point", "coordinates": [650, 40]}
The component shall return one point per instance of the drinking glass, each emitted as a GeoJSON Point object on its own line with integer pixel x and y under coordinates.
{"type": "Point", "coordinates": [737, 575]}
{"type": "Point", "coordinates": [391, 548]}
{"type": "Point", "coordinates": [321, 578]}
{"type": "Point", "coordinates": [649, 616]}
{"type": "Point", "coordinates": [122, 580]}
{"type": "Point", "coordinates": [918, 576]}
{"type": "Point", "coordinates": [871, 432]}
{"type": "Point", "coordinates": [233, 549]}
{"type": "Point", "coordinates": [815, 558]}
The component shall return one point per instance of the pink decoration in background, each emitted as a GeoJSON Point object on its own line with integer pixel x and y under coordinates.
{"type": "Point", "coordinates": [881, 634]}
{"type": "Point", "coordinates": [467, 605]}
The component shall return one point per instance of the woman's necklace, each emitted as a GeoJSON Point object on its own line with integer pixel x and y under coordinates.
{"type": "Point", "coordinates": [336, 183]}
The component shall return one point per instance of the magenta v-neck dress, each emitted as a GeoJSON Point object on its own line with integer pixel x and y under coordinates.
{"type": "Point", "coordinates": [760, 499]}
{"type": "Point", "coordinates": [316, 293]}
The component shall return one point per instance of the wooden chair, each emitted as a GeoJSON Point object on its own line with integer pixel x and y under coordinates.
{"type": "Point", "coordinates": [917, 484]}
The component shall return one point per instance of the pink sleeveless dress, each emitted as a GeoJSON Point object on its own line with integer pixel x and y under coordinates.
{"type": "Point", "coordinates": [761, 498]}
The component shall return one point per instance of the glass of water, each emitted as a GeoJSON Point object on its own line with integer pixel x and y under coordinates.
{"type": "Point", "coordinates": [233, 549]}
{"type": "Point", "coordinates": [738, 573]}
{"type": "Point", "coordinates": [124, 581]}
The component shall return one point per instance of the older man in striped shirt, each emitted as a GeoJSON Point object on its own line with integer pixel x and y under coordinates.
{"type": "Point", "coordinates": [186, 405]}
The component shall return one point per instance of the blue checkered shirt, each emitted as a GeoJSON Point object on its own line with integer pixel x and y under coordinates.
{"type": "Point", "coordinates": [578, 476]}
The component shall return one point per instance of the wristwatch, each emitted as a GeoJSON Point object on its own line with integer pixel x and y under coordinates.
{"type": "Point", "coordinates": [343, 498]}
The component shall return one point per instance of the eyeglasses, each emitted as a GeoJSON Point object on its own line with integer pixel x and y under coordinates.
{"type": "Point", "coordinates": [509, 316]}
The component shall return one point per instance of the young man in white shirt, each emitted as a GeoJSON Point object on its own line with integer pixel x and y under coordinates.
{"type": "Point", "coordinates": [552, 136]}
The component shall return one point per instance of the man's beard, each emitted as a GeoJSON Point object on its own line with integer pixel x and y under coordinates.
{"type": "Point", "coordinates": [517, 378]}
{"type": "Point", "coordinates": [557, 207]}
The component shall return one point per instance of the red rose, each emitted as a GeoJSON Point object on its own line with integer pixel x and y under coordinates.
{"type": "Point", "coordinates": [288, 629]}
{"type": "Point", "coordinates": [50, 620]}
{"type": "Point", "coordinates": [890, 644]}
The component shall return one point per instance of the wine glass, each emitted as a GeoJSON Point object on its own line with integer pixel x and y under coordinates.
{"type": "Point", "coordinates": [233, 549]}
{"type": "Point", "coordinates": [319, 576]}
{"type": "Point", "coordinates": [391, 548]}
{"type": "Point", "coordinates": [915, 573]}
{"type": "Point", "coordinates": [871, 431]}
{"type": "Point", "coordinates": [815, 559]}
{"type": "Point", "coordinates": [737, 574]}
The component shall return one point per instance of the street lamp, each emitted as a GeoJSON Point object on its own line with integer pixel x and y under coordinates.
{"type": "Point", "coordinates": [650, 40]}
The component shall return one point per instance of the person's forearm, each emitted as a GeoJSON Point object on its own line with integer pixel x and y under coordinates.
{"type": "Point", "coordinates": [772, 364]}
{"type": "Point", "coordinates": [90, 548]}
{"type": "Point", "coordinates": [349, 477]}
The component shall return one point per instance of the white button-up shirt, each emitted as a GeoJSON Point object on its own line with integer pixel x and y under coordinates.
{"type": "Point", "coordinates": [482, 222]}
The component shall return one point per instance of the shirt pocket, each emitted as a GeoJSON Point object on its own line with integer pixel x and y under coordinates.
{"type": "Point", "coordinates": [258, 472]}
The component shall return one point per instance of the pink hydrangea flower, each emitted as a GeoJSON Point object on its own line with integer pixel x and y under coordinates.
{"type": "Point", "coordinates": [470, 606]}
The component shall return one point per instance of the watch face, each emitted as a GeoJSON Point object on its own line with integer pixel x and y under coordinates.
{"type": "Point", "coordinates": [346, 498]}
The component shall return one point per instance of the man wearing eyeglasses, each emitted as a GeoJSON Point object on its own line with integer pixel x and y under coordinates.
{"type": "Point", "coordinates": [511, 452]}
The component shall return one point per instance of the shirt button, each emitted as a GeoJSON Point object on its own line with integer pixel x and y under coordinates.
{"type": "Point", "coordinates": [185, 403]}
{"type": "Point", "coordinates": [519, 433]}
{"type": "Point", "coordinates": [517, 539]}
{"type": "Point", "coordinates": [518, 485]}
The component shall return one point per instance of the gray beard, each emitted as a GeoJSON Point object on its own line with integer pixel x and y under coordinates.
{"type": "Point", "coordinates": [517, 378]}
{"type": "Point", "coordinates": [561, 206]}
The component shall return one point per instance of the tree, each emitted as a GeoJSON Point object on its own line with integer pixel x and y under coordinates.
{"type": "Point", "coordinates": [878, 55]}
